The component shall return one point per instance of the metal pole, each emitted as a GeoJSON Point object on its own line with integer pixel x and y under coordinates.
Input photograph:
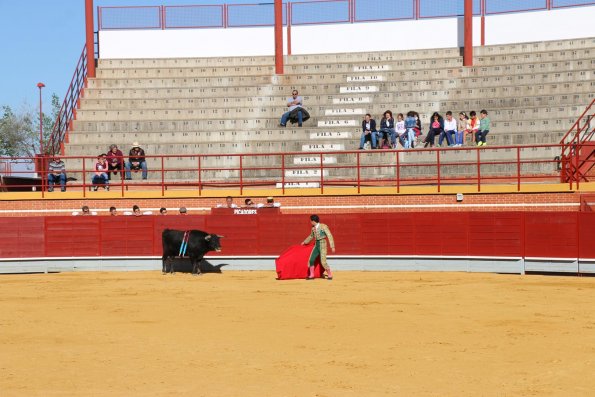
{"type": "Point", "coordinates": [90, 37]}
{"type": "Point", "coordinates": [468, 50]}
{"type": "Point", "coordinates": [278, 37]}
{"type": "Point", "coordinates": [40, 86]}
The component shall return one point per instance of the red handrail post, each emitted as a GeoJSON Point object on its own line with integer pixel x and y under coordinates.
{"type": "Point", "coordinates": [468, 49]}
{"type": "Point", "coordinates": [241, 175]}
{"type": "Point", "coordinates": [278, 37]}
{"type": "Point", "coordinates": [438, 168]}
{"type": "Point", "coordinates": [199, 178]}
{"type": "Point", "coordinates": [321, 174]}
{"type": "Point", "coordinates": [288, 27]}
{"type": "Point", "coordinates": [358, 173]}
{"type": "Point", "coordinates": [398, 173]}
{"type": "Point", "coordinates": [478, 172]}
{"type": "Point", "coordinates": [518, 168]}
{"type": "Point", "coordinates": [84, 178]}
{"type": "Point", "coordinates": [162, 177]}
{"type": "Point", "coordinates": [283, 173]}
{"type": "Point", "coordinates": [90, 38]}
{"type": "Point", "coordinates": [483, 23]}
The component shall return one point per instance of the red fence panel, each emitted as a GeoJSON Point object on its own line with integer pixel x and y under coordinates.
{"type": "Point", "coordinates": [72, 236]}
{"type": "Point", "coordinates": [495, 234]}
{"type": "Point", "coordinates": [22, 239]}
{"type": "Point", "coordinates": [586, 235]}
{"type": "Point", "coordinates": [551, 234]}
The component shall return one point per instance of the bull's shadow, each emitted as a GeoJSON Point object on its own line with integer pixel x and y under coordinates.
{"type": "Point", "coordinates": [183, 265]}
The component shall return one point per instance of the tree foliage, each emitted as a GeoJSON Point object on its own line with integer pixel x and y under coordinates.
{"type": "Point", "coordinates": [19, 131]}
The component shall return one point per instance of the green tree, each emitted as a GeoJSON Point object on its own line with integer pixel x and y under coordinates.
{"type": "Point", "coordinates": [19, 132]}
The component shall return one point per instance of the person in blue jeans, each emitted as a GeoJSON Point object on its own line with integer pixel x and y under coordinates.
{"type": "Point", "coordinates": [294, 102]}
{"type": "Point", "coordinates": [387, 133]}
{"type": "Point", "coordinates": [450, 130]}
{"type": "Point", "coordinates": [410, 124]}
{"type": "Point", "coordinates": [136, 161]}
{"type": "Point", "coordinates": [368, 131]}
{"type": "Point", "coordinates": [56, 174]}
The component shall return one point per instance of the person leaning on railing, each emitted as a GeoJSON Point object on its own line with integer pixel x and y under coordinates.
{"type": "Point", "coordinates": [56, 173]}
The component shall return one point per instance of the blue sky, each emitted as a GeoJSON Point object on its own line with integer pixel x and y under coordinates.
{"type": "Point", "coordinates": [41, 41]}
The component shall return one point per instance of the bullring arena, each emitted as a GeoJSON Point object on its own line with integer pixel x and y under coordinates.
{"type": "Point", "coordinates": [460, 270]}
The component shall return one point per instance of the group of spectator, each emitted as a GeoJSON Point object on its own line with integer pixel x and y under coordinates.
{"type": "Point", "coordinates": [407, 130]}
{"type": "Point", "coordinates": [248, 203]}
{"type": "Point", "coordinates": [112, 162]}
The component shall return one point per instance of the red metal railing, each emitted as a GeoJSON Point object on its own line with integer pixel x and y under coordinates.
{"type": "Point", "coordinates": [68, 110]}
{"type": "Point", "coordinates": [466, 166]}
{"type": "Point", "coordinates": [578, 147]}
{"type": "Point", "coordinates": [312, 12]}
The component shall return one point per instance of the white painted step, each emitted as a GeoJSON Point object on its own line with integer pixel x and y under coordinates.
{"type": "Point", "coordinates": [331, 135]}
{"type": "Point", "coordinates": [308, 173]}
{"type": "Point", "coordinates": [371, 68]}
{"type": "Point", "coordinates": [337, 123]}
{"type": "Point", "coordinates": [313, 160]}
{"type": "Point", "coordinates": [329, 147]}
{"type": "Point", "coordinates": [352, 99]}
{"type": "Point", "coordinates": [359, 88]}
{"type": "Point", "coordinates": [301, 185]}
{"type": "Point", "coordinates": [356, 79]}
{"type": "Point", "coordinates": [343, 112]}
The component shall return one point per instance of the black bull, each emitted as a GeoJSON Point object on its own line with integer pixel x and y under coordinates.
{"type": "Point", "coordinates": [199, 243]}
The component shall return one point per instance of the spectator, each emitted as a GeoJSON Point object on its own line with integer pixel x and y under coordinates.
{"type": "Point", "coordinates": [450, 130]}
{"type": "Point", "coordinates": [295, 112]}
{"type": "Point", "coordinates": [368, 131]}
{"type": "Point", "coordinates": [461, 127]}
{"type": "Point", "coordinates": [484, 128]}
{"type": "Point", "coordinates": [410, 125]}
{"type": "Point", "coordinates": [387, 130]}
{"type": "Point", "coordinates": [269, 204]}
{"type": "Point", "coordinates": [56, 173]}
{"type": "Point", "coordinates": [248, 203]}
{"type": "Point", "coordinates": [137, 212]}
{"type": "Point", "coordinates": [400, 129]}
{"type": "Point", "coordinates": [101, 177]}
{"type": "Point", "coordinates": [436, 128]}
{"type": "Point", "coordinates": [183, 211]}
{"type": "Point", "coordinates": [163, 211]}
{"type": "Point", "coordinates": [112, 211]}
{"type": "Point", "coordinates": [228, 203]}
{"type": "Point", "coordinates": [84, 212]}
{"type": "Point", "coordinates": [472, 126]}
{"type": "Point", "coordinates": [115, 161]}
{"type": "Point", "coordinates": [417, 128]}
{"type": "Point", "coordinates": [136, 161]}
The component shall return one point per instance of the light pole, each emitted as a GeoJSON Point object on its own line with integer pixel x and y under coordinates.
{"type": "Point", "coordinates": [40, 86]}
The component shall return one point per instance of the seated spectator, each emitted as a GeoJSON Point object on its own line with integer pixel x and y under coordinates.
{"type": "Point", "coordinates": [410, 126]}
{"type": "Point", "coordinates": [417, 128]}
{"type": "Point", "coordinates": [112, 211]}
{"type": "Point", "coordinates": [472, 126]}
{"type": "Point", "coordinates": [137, 212]}
{"type": "Point", "coordinates": [228, 203]}
{"type": "Point", "coordinates": [136, 161]}
{"type": "Point", "coordinates": [269, 204]}
{"type": "Point", "coordinates": [450, 130]}
{"type": "Point", "coordinates": [162, 211]}
{"type": "Point", "coordinates": [295, 112]}
{"type": "Point", "coordinates": [101, 177]}
{"type": "Point", "coordinates": [84, 212]}
{"type": "Point", "coordinates": [368, 132]}
{"type": "Point", "coordinates": [436, 128]}
{"type": "Point", "coordinates": [400, 130]}
{"type": "Point", "coordinates": [387, 133]}
{"type": "Point", "coordinates": [115, 161]}
{"type": "Point", "coordinates": [183, 211]}
{"type": "Point", "coordinates": [56, 173]}
{"type": "Point", "coordinates": [461, 127]}
{"type": "Point", "coordinates": [484, 128]}
{"type": "Point", "coordinates": [248, 203]}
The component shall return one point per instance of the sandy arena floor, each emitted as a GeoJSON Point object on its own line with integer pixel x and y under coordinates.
{"type": "Point", "coordinates": [246, 334]}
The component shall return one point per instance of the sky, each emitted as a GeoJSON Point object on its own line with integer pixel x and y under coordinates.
{"type": "Point", "coordinates": [42, 40]}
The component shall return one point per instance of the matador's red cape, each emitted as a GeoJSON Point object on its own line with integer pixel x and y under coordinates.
{"type": "Point", "coordinates": [294, 261]}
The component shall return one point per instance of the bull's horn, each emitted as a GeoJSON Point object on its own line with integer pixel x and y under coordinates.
{"type": "Point", "coordinates": [220, 236]}
{"type": "Point", "coordinates": [208, 237]}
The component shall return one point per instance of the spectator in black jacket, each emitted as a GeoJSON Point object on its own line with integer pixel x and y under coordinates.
{"type": "Point", "coordinates": [368, 131]}
{"type": "Point", "coordinates": [136, 161]}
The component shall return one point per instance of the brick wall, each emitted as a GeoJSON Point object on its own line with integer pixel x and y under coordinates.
{"type": "Point", "coordinates": [319, 204]}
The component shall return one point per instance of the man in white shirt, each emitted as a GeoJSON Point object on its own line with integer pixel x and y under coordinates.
{"type": "Point", "coordinates": [450, 130]}
{"type": "Point", "coordinates": [228, 203]}
{"type": "Point", "coordinates": [295, 102]}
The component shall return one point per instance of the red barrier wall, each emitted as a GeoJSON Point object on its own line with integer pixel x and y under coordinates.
{"type": "Point", "coordinates": [499, 234]}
